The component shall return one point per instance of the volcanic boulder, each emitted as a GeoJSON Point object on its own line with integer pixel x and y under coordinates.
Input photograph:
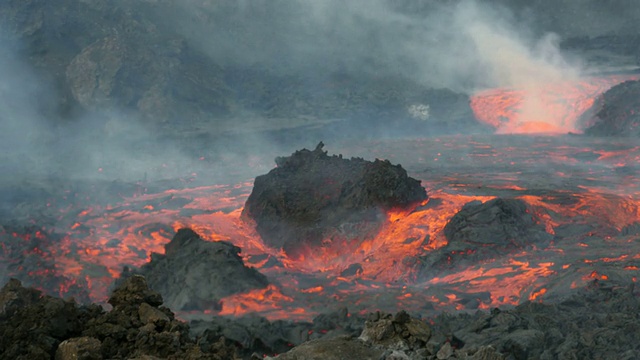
{"type": "Point", "coordinates": [481, 231]}
{"type": "Point", "coordinates": [196, 274]}
{"type": "Point", "coordinates": [312, 197]}
{"type": "Point", "coordinates": [617, 112]}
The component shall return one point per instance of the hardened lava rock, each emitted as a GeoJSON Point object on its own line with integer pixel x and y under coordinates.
{"type": "Point", "coordinates": [312, 197]}
{"type": "Point", "coordinates": [617, 112]}
{"type": "Point", "coordinates": [481, 231]}
{"type": "Point", "coordinates": [194, 274]}
{"type": "Point", "coordinates": [36, 326]}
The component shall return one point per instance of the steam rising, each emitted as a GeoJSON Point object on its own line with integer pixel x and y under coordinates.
{"type": "Point", "coordinates": [457, 45]}
{"type": "Point", "coordinates": [465, 46]}
{"type": "Point", "coordinates": [460, 45]}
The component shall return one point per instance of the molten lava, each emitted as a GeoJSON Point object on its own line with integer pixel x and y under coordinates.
{"type": "Point", "coordinates": [573, 185]}
{"type": "Point", "coordinates": [553, 108]}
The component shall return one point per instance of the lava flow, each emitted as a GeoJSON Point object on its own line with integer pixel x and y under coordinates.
{"type": "Point", "coordinates": [549, 108]}
{"type": "Point", "coordinates": [582, 191]}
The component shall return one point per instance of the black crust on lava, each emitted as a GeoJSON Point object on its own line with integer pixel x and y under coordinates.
{"type": "Point", "coordinates": [311, 197]}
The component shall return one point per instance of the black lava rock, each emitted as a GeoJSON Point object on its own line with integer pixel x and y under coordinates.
{"type": "Point", "coordinates": [617, 112]}
{"type": "Point", "coordinates": [37, 326]}
{"type": "Point", "coordinates": [195, 274]}
{"type": "Point", "coordinates": [311, 197]}
{"type": "Point", "coordinates": [483, 231]}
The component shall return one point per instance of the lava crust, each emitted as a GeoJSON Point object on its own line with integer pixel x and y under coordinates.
{"type": "Point", "coordinates": [36, 326]}
{"type": "Point", "coordinates": [195, 274]}
{"type": "Point", "coordinates": [312, 198]}
{"type": "Point", "coordinates": [483, 231]}
{"type": "Point", "coordinates": [617, 111]}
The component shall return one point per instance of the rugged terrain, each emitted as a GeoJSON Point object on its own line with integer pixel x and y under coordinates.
{"type": "Point", "coordinates": [125, 121]}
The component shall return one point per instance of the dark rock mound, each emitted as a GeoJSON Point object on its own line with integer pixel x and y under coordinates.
{"type": "Point", "coordinates": [481, 231]}
{"type": "Point", "coordinates": [311, 197]}
{"type": "Point", "coordinates": [195, 274]}
{"type": "Point", "coordinates": [617, 112]}
{"type": "Point", "coordinates": [37, 326]}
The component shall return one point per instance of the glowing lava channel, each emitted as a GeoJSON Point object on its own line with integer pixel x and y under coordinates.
{"type": "Point", "coordinates": [99, 242]}
{"type": "Point", "coordinates": [553, 108]}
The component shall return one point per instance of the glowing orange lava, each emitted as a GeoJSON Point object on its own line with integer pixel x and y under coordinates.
{"type": "Point", "coordinates": [581, 201]}
{"type": "Point", "coordinates": [552, 108]}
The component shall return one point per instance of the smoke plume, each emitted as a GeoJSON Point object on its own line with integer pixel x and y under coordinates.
{"type": "Point", "coordinates": [459, 45]}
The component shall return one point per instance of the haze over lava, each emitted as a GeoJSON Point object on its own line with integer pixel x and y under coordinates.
{"type": "Point", "coordinates": [167, 129]}
{"type": "Point", "coordinates": [588, 208]}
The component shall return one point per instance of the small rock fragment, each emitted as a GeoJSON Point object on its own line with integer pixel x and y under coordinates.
{"type": "Point", "coordinates": [81, 348]}
{"type": "Point", "coordinates": [445, 352]}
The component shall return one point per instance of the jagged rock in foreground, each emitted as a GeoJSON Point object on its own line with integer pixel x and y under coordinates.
{"type": "Point", "coordinates": [598, 321]}
{"type": "Point", "coordinates": [35, 326]}
{"type": "Point", "coordinates": [387, 337]}
{"type": "Point", "coordinates": [481, 231]}
{"type": "Point", "coordinates": [32, 326]}
{"type": "Point", "coordinates": [617, 112]}
{"type": "Point", "coordinates": [194, 274]}
{"type": "Point", "coordinates": [312, 197]}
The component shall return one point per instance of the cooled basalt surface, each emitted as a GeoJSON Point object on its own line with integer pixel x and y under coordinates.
{"type": "Point", "coordinates": [311, 198]}
{"type": "Point", "coordinates": [482, 231]}
{"type": "Point", "coordinates": [36, 326]}
{"type": "Point", "coordinates": [194, 274]}
{"type": "Point", "coordinates": [599, 320]}
{"type": "Point", "coordinates": [617, 112]}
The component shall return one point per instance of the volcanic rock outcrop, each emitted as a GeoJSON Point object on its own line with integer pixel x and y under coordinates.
{"type": "Point", "coordinates": [194, 274]}
{"type": "Point", "coordinates": [597, 321]}
{"type": "Point", "coordinates": [36, 326]}
{"type": "Point", "coordinates": [389, 337]}
{"type": "Point", "coordinates": [312, 197]}
{"type": "Point", "coordinates": [115, 54]}
{"type": "Point", "coordinates": [481, 231]}
{"type": "Point", "coordinates": [617, 112]}
{"type": "Point", "coordinates": [145, 58]}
